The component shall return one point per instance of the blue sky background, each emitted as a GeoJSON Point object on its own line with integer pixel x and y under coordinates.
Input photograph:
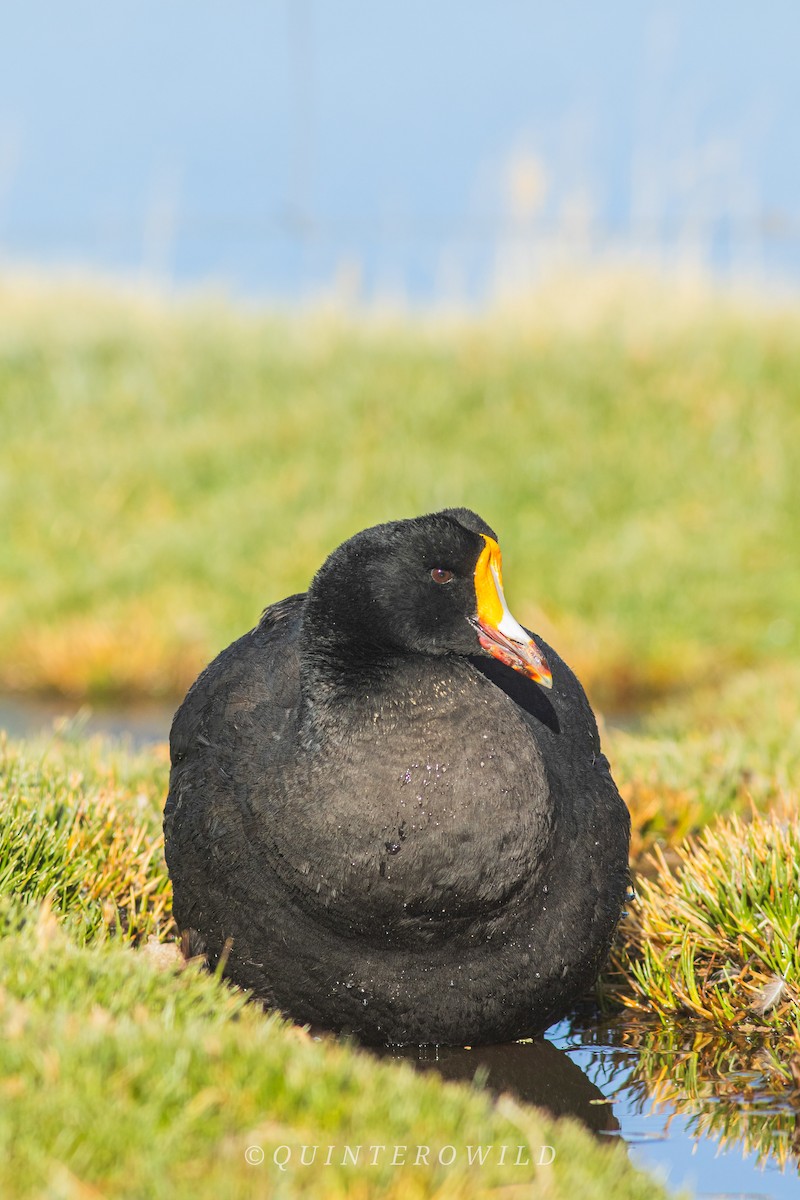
{"type": "Point", "coordinates": [273, 144]}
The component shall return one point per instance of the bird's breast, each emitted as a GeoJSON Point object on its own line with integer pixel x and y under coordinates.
{"type": "Point", "coordinates": [440, 813]}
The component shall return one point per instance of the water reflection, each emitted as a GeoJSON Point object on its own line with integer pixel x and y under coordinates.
{"type": "Point", "coordinates": [536, 1072]}
{"type": "Point", "coordinates": [698, 1106]}
{"type": "Point", "coordinates": [722, 1084]}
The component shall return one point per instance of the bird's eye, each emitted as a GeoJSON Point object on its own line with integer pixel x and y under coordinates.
{"type": "Point", "coordinates": [441, 575]}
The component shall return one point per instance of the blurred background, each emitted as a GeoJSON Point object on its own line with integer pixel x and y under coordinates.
{"type": "Point", "coordinates": [412, 152]}
{"type": "Point", "coordinates": [274, 271]}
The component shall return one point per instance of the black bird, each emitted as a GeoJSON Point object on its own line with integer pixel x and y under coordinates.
{"type": "Point", "coordinates": [385, 815]}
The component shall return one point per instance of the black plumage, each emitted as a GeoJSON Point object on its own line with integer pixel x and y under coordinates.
{"type": "Point", "coordinates": [382, 828]}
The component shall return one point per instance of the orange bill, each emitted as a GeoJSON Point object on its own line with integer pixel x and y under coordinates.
{"type": "Point", "coordinates": [498, 632]}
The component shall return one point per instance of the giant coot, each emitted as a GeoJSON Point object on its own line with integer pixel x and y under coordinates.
{"type": "Point", "coordinates": [388, 809]}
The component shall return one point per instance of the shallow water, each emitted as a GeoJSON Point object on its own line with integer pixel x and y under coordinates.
{"type": "Point", "coordinates": [689, 1105]}
{"type": "Point", "coordinates": [664, 1093]}
{"type": "Point", "coordinates": [138, 725]}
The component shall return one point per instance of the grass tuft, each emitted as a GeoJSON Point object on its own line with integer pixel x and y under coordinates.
{"type": "Point", "coordinates": [86, 836]}
{"type": "Point", "coordinates": [717, 936]}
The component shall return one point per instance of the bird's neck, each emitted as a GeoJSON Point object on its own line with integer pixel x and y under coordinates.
{"type": "Point", "coordinates": [349, 688]}
{"type": "Point", "coordinates": [344, 667]}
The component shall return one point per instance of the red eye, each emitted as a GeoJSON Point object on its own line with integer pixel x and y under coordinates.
{"type": "Point", "coordinates": [440, 575]}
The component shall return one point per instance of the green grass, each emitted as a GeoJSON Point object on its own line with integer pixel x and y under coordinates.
{"type": "Point", "coordinates": [166, 471]}
{"type": "Point", "coordinates": [717, 937]}
{"type": "Point", "coordinates": [81, 828]}
{"type": "Point", "coordinates": [124, 1076]}
{"type": "Point", "coordinates": [714, 930]}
